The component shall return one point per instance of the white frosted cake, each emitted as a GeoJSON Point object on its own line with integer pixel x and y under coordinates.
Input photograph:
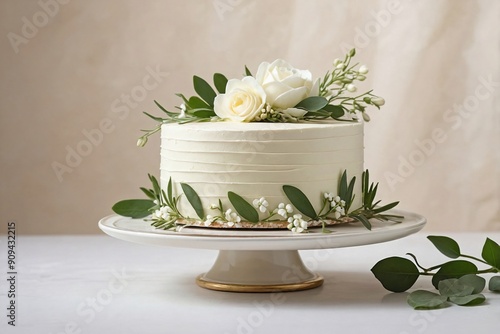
{"type": "Point", "coordinates": [255, 160]}
{"type": "Point", "coordinates": [276, 150]}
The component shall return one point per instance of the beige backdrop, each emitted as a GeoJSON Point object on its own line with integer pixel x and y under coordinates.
{"type": "Point", "coordinates": [76, 75]}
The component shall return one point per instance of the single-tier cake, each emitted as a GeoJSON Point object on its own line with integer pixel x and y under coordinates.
{"type": "Point", "coordinates": [255, 160]}
{"type": "Point", "coordinates": [278, 149]}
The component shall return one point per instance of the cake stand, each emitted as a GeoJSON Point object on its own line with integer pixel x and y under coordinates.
{"type": "Point", "coordinates": [260, 261]}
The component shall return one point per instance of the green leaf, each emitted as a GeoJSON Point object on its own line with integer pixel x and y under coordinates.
{"type": "Point", "coordinates": [396, 274]}
{"type": "Point", "coordinates": [148, 193]}
{"type": "Point", "coordinates": [363, 220]}
{"type": "Point", "coordinates": [204, 113]}
{"type": "Point", "coordinates": [196, 103]}
{"type": "Point", "coordinates": [245, 209]}
{"type": "Point", "coordinates": [169, 192]}
{"type": "Point", "coordinates": [163, 109]}
{"type": "Point", "coordinates": [156, 186]}
{"type": "Point", "coordinates": [385, 207]}
{"type": "Point", "coordinates": [452, 287]}
{"type": "Point", "coordinates": [453, 269]}
{"type": "Point", "coordinates": [220, 82]}
{"type": "Point", "coordinates": [133, 208]}
{"type": "Point", "coordinates": [425, 300]}
{"type": "Point", "coordinates": [194, 199]}
{"type": "Point", "coordinates": [204, 90]}
{"type": "Point", "coordinates": [445, 245]}
{"type": "Point", "coordinates": [349, 197]}
{"type": "Point", "coordinates": [157, 119]}
{"type": "Point", "coordinates": [491, 253]}
{"type": "Point", "coordinates": [477, 282]}
{"type": "Point", "coordinates": [247, 72]}
{"type": "Point", "coordinates": [335, 111]}
{"type": "Point", "coordinates": [312, 103]}
{"type": "Point", "coordinates": [300, 201]}
{"type": "Point", "coordinates": [470, 300]}
{"type": "Point", "coordinates": [343, 186]}
{"type": "Point", "coordinates": [494, 284]}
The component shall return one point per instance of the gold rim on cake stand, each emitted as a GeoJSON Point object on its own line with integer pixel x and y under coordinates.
{"type": "Point", "coordinates": [259, 271]}
{"type": "Point", "coordinates": [233, 287]}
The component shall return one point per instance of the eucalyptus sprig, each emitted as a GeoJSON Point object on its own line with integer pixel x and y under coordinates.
{"type": "Point", "coordinates": [456, 280]}
{"type": "Point", "coordinates": [161, 205]}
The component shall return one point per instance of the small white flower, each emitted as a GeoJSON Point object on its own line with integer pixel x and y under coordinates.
{"type": "Point", "coordinates": [366, 117]}
{"type": "Point", "coordinates": [352, 88]}
{"type": "Point", "coordinates": [183, 111]}
{"type": "Point", "coordinates": [336, 62]}
{"type": "Point", "coordinates": [232, 217]}
{"type": "Point", "coordinates": [363, 69]}
{"type": "Point", "coordinates": [342, 203]}
{"type": "Point", "coordinates": [209, 220]}
{"type": "Point", "coordinates": [297, 224]}
{"type": "Point", "coordinates": [155, 201]}
{"type": "Point", "coordinates": [261, 204]}
{"type": "Point", "coordinates": [337, 199]}
{"type": "Point", "coordinates": [213, 206]}
{"type": "Point", "coordinates": [283, 210]}
{"type": "Point", "coordinates": [378, 101]}
{"type": "Point", "coordinates": [340, 65]}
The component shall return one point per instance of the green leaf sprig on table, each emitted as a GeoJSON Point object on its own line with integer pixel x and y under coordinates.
{"type": "Point", "coordinates": [456, 280]}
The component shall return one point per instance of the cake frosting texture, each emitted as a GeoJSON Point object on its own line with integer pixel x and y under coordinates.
{"type": "Point", "coordinates": [255, 160]}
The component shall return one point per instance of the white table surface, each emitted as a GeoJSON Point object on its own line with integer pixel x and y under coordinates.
{"type": "Point", "coordinates": [97, 284]}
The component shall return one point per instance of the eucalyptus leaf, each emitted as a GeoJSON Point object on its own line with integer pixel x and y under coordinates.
{"type": "Point", "coordinates": [470, 300]}
{"type": "Point", "coordinates": [343, 185]}
{"type": "Point", "coordinates": [334, 111]}
{"type": "Point", "coordinates": [220, 82]}
{"type": "Point", "coordinates": [491, 253]}
{"type": "Point", "coordinates": [312, 103]}
{"type": "Point", "coordinates": [477, 282]}
{"type": "Point", "coordinates": [204, 90]}
{"type": "Point", "coordinates": [204, 113]}
{"type": "Point", "coordinates": [452, 287]}
{"type": "Point", "coordinates": [300, 201]}
{"type": "Point", "coordinates": [453, 269]}
{"type": "Point", "coordinates": [425, 300]}
{"type": "Point", "coordinates": [133, 208]}
{"type": "Point", "coordinates": [396, 274]}
{"type": "Point", "coordinates": [245, 209]}
{"type": "Point", "coordinates": [196, 103]}
{"type": "Point", "coordinates": [193, 199]}
{"type": "Point", "coordinates": [445, 245]}
{"type": "Point", "coordinates": [494, 284]}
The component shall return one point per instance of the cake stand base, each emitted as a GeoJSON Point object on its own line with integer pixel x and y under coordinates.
{"type": "Point", "coordinates": [259, 271]}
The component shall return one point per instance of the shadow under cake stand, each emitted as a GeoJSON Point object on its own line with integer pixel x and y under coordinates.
{"type": "Point", "coordinates": [260, 261]}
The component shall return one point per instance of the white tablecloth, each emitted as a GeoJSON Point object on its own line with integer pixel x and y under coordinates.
{"type": "Point", "coordinates": [97, 284]}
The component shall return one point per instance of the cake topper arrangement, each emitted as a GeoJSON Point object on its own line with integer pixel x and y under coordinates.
{"type": "Point", "coordinates": [278, 93]}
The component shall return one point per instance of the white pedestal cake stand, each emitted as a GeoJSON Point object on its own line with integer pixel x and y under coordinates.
{"type": "Point", "coordinates": [260, 261]}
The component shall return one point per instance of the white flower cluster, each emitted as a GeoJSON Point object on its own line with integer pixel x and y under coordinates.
{"type": "Point", "coordinates": [283, 210]}
{"type": "Point", "coordinates": [297, 224]}
{"type": "Point", "coordinates": [261, 204]}
{"type": "Point", "coordinates": [230, 217]}
{"type": "Point", "coordinates": [337, 205]}
{"type": "Point", "coordinates": [163, 213]}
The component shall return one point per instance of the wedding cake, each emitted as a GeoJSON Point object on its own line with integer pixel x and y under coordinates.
{"type": "Point", "coordinates": [275, 150]}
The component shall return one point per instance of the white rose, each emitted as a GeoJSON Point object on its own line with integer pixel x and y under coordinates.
{"type": "Point", "coordinates": [284, 85]}
{"type": "Point", "coordinates": [243, 100]}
